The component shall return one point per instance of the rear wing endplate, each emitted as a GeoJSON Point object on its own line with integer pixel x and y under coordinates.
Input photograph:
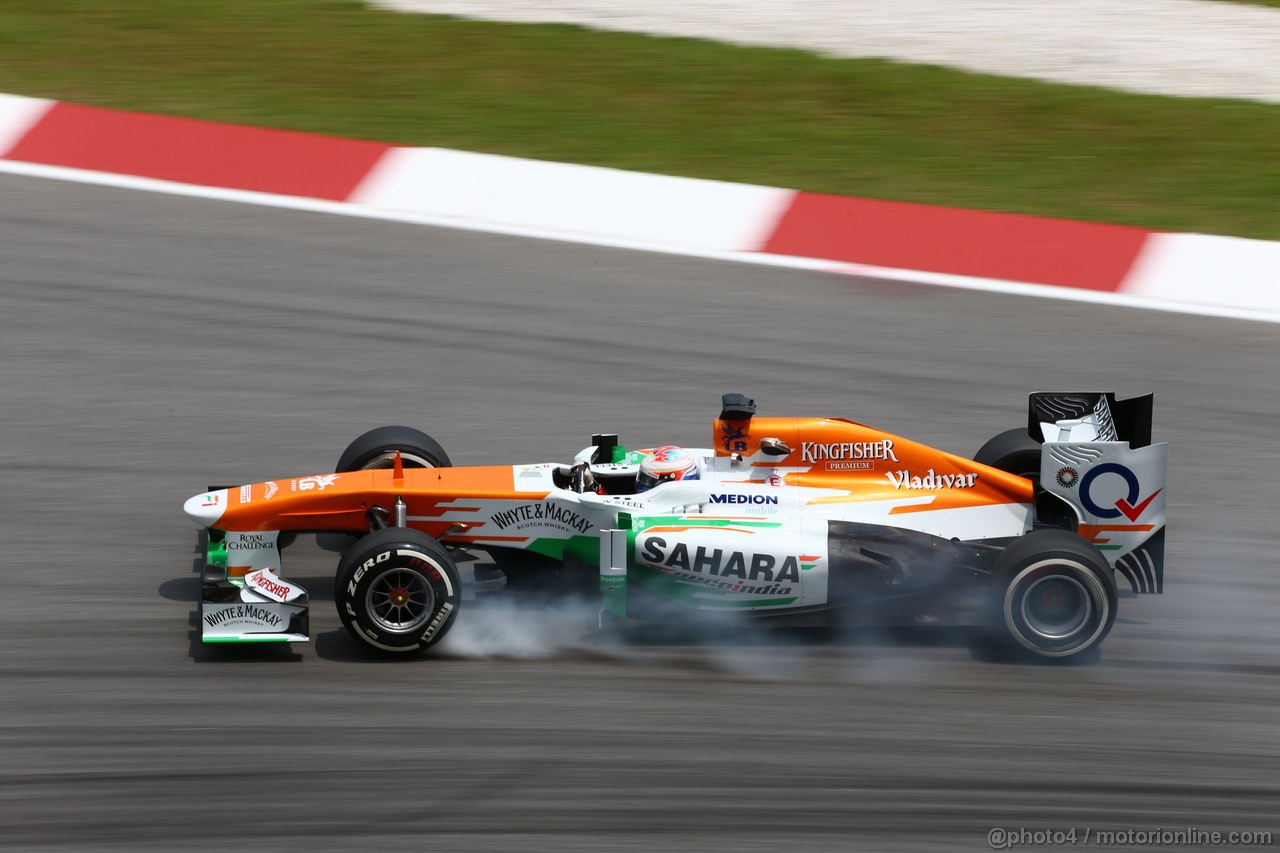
{"type": "Point", "coordinates": [1098, 458]}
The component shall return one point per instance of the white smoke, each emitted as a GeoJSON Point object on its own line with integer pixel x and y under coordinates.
{"type": "Point", "coordinates": [515, 627]}
{"type": "Point", "coordinates": [502, 626]}
{"type": "Point", "coordinates": [498, 623]}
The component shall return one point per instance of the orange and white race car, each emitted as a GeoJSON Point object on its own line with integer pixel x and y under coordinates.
{"type": "Point", "coordinates": [798, 519]}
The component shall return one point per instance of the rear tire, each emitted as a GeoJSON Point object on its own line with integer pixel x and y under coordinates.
{"type": "Point", "coordinates": [1016, 452]}
{"type": "Point", "coordinates": [397, 591]}
{"type": "Point", "coordinates": [1013, 451]}
{"type": "Point", "coordinates": [1054, 595]}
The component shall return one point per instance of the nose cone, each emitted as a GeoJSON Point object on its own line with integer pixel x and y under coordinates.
{"type": "Point", "coordinates": [207, 508]}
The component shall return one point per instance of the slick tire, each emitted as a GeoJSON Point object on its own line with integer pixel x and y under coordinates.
{"type": "Point", "coordinates": [1054, 596]}
{"type": "Point", "coordinates": [397, 591]}
{"type": "Point", "coordinates": [1013, 451]}
{"type": "Point", "coordinates": [377, 449]}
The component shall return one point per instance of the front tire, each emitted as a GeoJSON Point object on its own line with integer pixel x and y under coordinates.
{"type": "Point", "coordinates": [377, 448]}
{"type": "Point", "coordinates": [397, 591]}
{"type": "Point", "coordinates": [1054, 595]}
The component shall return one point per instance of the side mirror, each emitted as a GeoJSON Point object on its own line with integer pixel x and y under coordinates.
{"type": "Point", "coordinates": [774, 447]}
{"type": "Point", "coordinates": [581, 479]}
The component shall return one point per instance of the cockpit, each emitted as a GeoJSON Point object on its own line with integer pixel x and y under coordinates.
{"type": "Point", "coordinates": [607, 468]}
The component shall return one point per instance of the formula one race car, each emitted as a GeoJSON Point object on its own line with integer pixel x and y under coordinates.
{"type": "Point", "coordinates": [793, 519]}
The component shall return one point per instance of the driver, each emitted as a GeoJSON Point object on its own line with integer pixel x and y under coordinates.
{"type": "Point", "coordinates": [666, 463]}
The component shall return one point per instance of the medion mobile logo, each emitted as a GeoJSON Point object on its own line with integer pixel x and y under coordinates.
{"type": "Point", "coordinates": [744, 499]}
{"type": "Point", "coordinates": [813, 452]}
{"type": "Point", "coordinates": [932, 480]}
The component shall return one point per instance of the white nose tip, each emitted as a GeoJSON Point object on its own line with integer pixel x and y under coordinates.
{"type": "Point", "coordinates": [206, 509]}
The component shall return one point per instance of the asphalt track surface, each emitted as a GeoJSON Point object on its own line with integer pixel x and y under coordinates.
{"type": "Point", "coordinates": [155, 344]}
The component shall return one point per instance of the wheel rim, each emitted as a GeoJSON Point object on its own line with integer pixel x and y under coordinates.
{"type": "Point", "coordinates": [1056, 607]}
{"type": "Point", "coordinates": [1060, 626]}
{"type": "Point", "coordinates": [388, 460]}
{"type": "Point", "coordinates": [399, 600]}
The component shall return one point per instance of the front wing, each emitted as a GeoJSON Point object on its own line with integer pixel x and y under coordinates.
{"type": "Point", "coordinates": [251, 607]}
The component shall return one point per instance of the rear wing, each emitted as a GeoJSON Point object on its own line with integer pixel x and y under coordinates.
{"type": "Point", "coordinates": [1091, 417]}
{"type": "Point", "coordinates": [1098, 458]}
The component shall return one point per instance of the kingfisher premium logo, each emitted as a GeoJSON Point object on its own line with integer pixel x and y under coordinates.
{"type": "Point", "coordinates": [849, 455]}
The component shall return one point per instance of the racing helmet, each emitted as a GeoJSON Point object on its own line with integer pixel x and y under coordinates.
{"type": "Point", "coordinates": [666, 463]}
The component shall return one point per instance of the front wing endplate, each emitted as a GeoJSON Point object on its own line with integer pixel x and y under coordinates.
{"type": "Point", "coordinates": [261, 621]}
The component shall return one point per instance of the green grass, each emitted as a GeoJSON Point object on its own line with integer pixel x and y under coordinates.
{"type": "Point", "coordinates": [776, 117]}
